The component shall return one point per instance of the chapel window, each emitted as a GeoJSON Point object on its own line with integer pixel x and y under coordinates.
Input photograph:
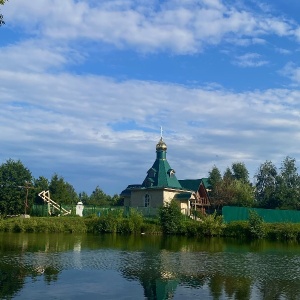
{"type": "Point", "coordinates": [147, 200]}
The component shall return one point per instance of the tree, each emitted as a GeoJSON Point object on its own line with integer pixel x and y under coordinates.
{"type": "Point", "coordinates": [98, 197]}
{"type": "Point", "coordinates": [61, 191]}
{"type": "Point", "coordinates": [240, 172]}
{"type": "Point", "coordinates": [227, 176]}
{"type": "Point", "coordinates": [1, 16]}
{"type": "Point", "coordinates": [116, 200]}
{"type": "Point", "coordinates": [170, 217]}
{"type": "Point", "coordinates": [288, 185]}
{"type": "Point", "coordinates": [265, 187]}
{"type": "Point", "coordinates": [214, 177]}
{"type": "Point", "coordinates": [243, 194]}
{"type": "Point", "coordinates": [215, 180]}
{"type": "Point", "coordinates": [233, 188]}
{"type": "Point", "coordinates": [40, 184]}
{"type": "Point", "coordinates": [84, 197]}
{"type": "Point", "coordinates": [14, 176]}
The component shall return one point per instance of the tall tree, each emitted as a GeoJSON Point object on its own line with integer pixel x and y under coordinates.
{"type": "Point", "coordinates": [228, 176]}
{"type": "Point", "coordinates": [240, 172]}
{"type": "Point", "coordinates": [40, 184]}
{"type": "Point", "coordinates": [265, 187]}
{"type": "Point", "coordinates": [233, 188]}
{"type": "Point", "coordinates": [215, 180]}
{"type": "Point", "coordinates": [98, 197]}
{"type": "Point", "coordinates": [243, 194]}
{"type": "Point", "coordinates": [83, 197]}
{"type": "Point", "coordinates": [288, 185]}
{"type": "Point", "coordinates": [61, 191]}
{"type": "Point", "coordinates": [14, 178]}
{"type": "Point", "coordinates": [214, 177]}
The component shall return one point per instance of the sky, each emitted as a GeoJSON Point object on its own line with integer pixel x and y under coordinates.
{"type": "Point", "coordinates": [85, 87]}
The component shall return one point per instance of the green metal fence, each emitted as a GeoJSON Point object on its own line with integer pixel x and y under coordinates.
{"type": "Point", "coordinates": [233, 213]}
{"type": "Point", "coordinates": [41, 210]}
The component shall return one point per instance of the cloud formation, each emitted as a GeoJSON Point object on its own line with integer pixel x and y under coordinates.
{"type": "Point", "coordinates": [85, 87]}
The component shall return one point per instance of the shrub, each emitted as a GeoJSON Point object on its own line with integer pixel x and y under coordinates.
{"type": "Point", "coordinates": [212, 225]}
{"type": "Point", "coordinates": [192, 228]}
{"type": "Point", "coordinates": [237, 229]}
{"type": "Point", "coordinates": [170, 217]}
{"type": "Point", "coordinates": [256, 225]}
{"type": "Point", "coordinates": [283, 231]}
{"type": "Point", "coordinates": [137, 220]}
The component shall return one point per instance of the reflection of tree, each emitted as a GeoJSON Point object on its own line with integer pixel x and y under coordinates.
{"type": "Point", "coordinates": [11, 280]}
{"type": "Point", "coordinates": [12, 277]}
{"type": "Point", "coordinates": [14, 270]}
{"type": "Point", "coordinates": [279, 289]}
{"type": "Point", "coordinates": [51, 274]}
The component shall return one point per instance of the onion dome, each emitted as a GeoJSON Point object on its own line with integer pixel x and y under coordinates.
{"type": "Point", "coordinates": [161, 145]}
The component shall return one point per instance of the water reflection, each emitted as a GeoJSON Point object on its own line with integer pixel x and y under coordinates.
{"type": "Point", "coordinates": [165, 268]}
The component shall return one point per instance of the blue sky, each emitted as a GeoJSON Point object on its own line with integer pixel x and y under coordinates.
{"type": "Point", "coordinates": [86, 85]}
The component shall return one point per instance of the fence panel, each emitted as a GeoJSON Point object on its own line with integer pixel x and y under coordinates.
{"type": "Point", "coordinates": [233, 213]}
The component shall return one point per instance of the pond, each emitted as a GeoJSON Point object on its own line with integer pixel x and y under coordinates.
{"type": "Point", "coordinates": [67, 266]}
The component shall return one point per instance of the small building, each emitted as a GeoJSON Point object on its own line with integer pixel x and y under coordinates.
{"type": "Point", "coordinates": [161, 186]}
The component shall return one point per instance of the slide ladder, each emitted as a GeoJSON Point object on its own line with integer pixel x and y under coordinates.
{"type": "Point", "coordinates": [45, 195]}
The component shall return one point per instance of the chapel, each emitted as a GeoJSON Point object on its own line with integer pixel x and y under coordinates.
{"type": "Point", "coordinates": [161, 186]}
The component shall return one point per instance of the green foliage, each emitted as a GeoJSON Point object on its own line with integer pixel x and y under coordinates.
{"type": "Point", "coordinates": [53, 225]}
{"type": "Point", "coordinates": [214, 178]}
{"type": "Point", "coordinates": [228, 175]}
{"type": "Point", "coordinates": [14, 176]}
{"type": "Point", "coordinates": [98, 197]}
{"type": "Point", "coordinates": [233, 189]}
{"type": "Point", "coordinates": [283, 231]}
{"type": "Point", "coordinates": [256, 225]}
{"type": "Point", "coordinates": [40, 184]}
{"type": "Point", "coordinates": [115, 222]}
{"type": "Point", "coordinates": [288, 185]}
{"type": "Point", "coordinates": [281, 190]}
{"type": "Point", "coordinates": [212, 225]}
{"type": "Point", "coordinates": [240, 172]}
{"type": "Point", "coordinates": [266, 185]}
{"type": "Point", "coordinates": [237, 229]}
{"type": "Point", "coordinates": [170, 217]}
{"type": "Point", "coordinates": [243, 194]}
{"type": "Point", "coordinates": [1, 16]}
{"type": "Point", "coordinates": [61, 191]}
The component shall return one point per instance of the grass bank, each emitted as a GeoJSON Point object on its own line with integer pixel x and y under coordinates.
{"type": "Point", "coordinates": [211, 225]}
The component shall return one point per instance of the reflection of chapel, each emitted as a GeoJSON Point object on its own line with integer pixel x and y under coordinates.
{"type": "Point", "coordinates": [161, 186]}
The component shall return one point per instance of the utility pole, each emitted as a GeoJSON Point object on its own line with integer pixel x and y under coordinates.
{"type": "Point", "coordinates": [27, 186]}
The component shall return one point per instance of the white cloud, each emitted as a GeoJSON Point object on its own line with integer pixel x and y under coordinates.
{"type": "Point", "coordinates": [56, 121]}
{"type": "Point", "coordinates": [176, 26]}
{"type": "Point", "coordinates": [292, 71]}
{"type": "Point", "coordinates": [68, 120]}
{"type": "Point", "coordinates": [250, 60]}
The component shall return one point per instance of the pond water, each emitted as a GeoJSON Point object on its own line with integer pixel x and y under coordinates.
{"type": "Point", "coordinates": [52, 266]}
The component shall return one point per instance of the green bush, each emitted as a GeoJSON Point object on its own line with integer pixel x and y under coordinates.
{"type": "Point", "coordinates": [137, 220]}
{"type": "Point", "coordinates": [283, 231]}
{"type": "Point", "coordinates": [192, 228]}
{"type": "Point", "coordinates": [256, 225]}
{"type": "Point", "coordinates": [212, 225]}
{"type": "Point", "coordinates": [171, 218]}
{"type": "Point", "coordinates": [237, 229]}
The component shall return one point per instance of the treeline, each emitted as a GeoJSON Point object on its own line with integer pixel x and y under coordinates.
{"type": "Point", "coordinates": [19, 190]}
{"type": "Point", "coordinates": [272, 188]}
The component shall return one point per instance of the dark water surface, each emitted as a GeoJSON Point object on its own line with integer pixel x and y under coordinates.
{"type": "Point", "coordinates": [57, 266]}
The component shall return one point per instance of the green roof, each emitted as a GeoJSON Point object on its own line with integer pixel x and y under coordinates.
{"type": "Point", "coordinates": [193, 184]}
{"type": "Point", "coordinates": [206, 183]}
{"type": "Point", "coordinates": [161, 175]}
